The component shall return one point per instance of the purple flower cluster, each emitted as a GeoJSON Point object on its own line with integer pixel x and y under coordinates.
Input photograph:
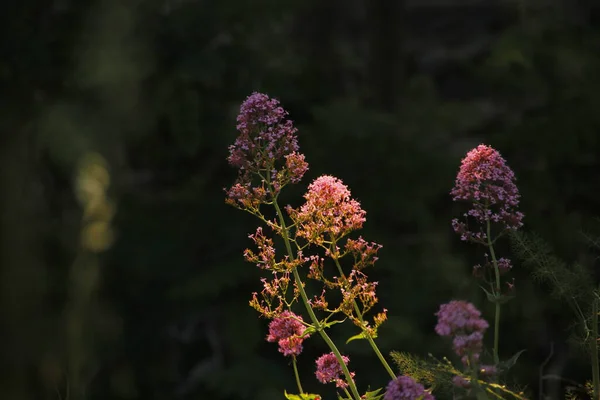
{"type": "Point", "coordinates": [330, 370]}
{"type": "Point", "coordinates": [267, 147]}
{"type": "Point", "coordinates": [264, 134]}
{"type": "Point", "coordinates": [287, 331]}
{"type": "Point", "coordinates": [485, 181]}
{"type": "Point", "coordinates": [405, 388]}
{"type": "Point", "coordinates": [462, 321]}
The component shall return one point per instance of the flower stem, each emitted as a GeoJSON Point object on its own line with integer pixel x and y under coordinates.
{"type": "Point", "coordinates": [496, 292]}
{"type": "Point", "coordinates": [595, 366]}
{"type": "Point", "coordinates": [347, 393]}
{"type": "Point", "coordinates": [365, 331]}
{"type": "Point", "coordinates": [309, 309]}
{"type": "Point", "coordinates": [297, 375]}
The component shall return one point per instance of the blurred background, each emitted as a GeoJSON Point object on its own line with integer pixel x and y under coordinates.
{"type": "Point", "coordinates": [121, 268]}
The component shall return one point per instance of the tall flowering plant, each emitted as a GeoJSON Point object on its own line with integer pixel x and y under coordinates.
{"type": "Point", "coordinates": [318, 246]}
{"type": "Point", "coordinates": [486, 184]}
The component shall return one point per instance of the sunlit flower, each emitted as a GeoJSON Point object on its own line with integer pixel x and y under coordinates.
{"type": "Point", "coordinates": [487, 183]}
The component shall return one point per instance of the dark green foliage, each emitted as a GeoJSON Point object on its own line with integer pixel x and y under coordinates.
{"type": "Point", "coordinates": [428, 372]}
{"type": "Point", "coordinates": [573, 284]}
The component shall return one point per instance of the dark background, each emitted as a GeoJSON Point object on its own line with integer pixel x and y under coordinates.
{"type": "Point", "coordinates": [388, 96]}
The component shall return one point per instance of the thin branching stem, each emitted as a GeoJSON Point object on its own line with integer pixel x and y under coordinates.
{"type": "Point", "coordinates": [311, 313]}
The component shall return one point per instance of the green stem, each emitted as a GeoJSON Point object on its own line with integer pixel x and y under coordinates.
{"type": "Point", "coordinates": [496, 333]}
{"type": "Point", "coordinates": [297, 375]}
{"type": "Point", "coordinates": [309, 309]}
{"type": "Point", "coordinates": [496, 292]}
{"type": "Point", "coordinates": [595, 366]}
{"type": "Point", "coordinates": [347, 393]}
{"type": "Point", "coordinates": [365, 331]}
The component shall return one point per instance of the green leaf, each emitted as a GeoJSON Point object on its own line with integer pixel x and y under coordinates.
{"type": "Point", "coordinates": [329, 324]}
{"type": "Point", "coordinates": [356, 337]}
{"type": "Point", "coordinates": [308, 331]}
{"type": "Point", "coordinates": [493, 298]}
{"type": "Point", "coordinates": [304, 396]}
{"type": "Point", "coordinates": [374, 395]}
{"type": "Point", "coordinates": [508, 364]}
{"type": "Point", "coordinates": [361, 335]}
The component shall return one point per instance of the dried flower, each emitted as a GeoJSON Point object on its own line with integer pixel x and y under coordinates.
{"type": "Point", "coordinates": [485, 181]}
{"type": "Point", "coordinates": [329, 212]}
{"type": "Point", "coordinates": [405, 388]}
{"type": "Point", "coordinates": [462, 321]}
{"type": "Point", "coordinates": [330, 370]}
{"type": "Point", "coordinates": [287, 331]}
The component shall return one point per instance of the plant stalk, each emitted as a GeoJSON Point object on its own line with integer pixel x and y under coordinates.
{"type": "Point", "coordinates": [496, 293]}
{"type": "Point", "coordinates": [365, 331]}
{"type": "Point", "coordinates": [311, 313]}
{"type": "Point", "coordinates": [297, 375]}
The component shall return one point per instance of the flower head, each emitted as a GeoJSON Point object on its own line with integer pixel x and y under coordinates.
{"type": "Point", "coordinates": [287, 331]}
{"type": "Point", "coordinates": [405, 388]}
{"type": "Point", "coordinates": [265, 135]}
{"type": "Point", "coordinates": [462, 321]}
{"type": "Point", "coordinates": [267, 146]}
{"type": "Point", "coordinates": [329, 212]}
{"type": "Point", "coordinates": [485, 181]}
{"type": "Point", "coordinates": [330, 370]}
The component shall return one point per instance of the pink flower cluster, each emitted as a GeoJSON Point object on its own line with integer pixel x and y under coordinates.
{"type": "Point", "coordinates": [330, 370]}
{"type": "Point", "coordinates": [462, 321]}
{"type": "Point", "coordinates": [485, 181]}
{"type": "Point", "coordinates": [267, 148]}
{"type": "Point", "coordinates": [405, 388]}
{"type": "Point", "coordinates": [329, 212]}
{"type": "Point", "coordinates": [287, 331]}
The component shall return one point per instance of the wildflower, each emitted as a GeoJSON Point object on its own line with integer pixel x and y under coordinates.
{"type": "Point", "coordinates": [405, 388]}
{"type": "Point", "coordinates": [287, 331]}
{"type": "Point", "coordinates": [264, 134]}
{"type": "Point", "coordinates": [267, 148]}
{"type": "Point", "coordinates": [462, 321]}
{"type": "Point", "coordinates": [266, 256]}
{"type": "Point", "coordinates": [504, 266]}
{"type": "Point", "coordinates": [329, 211]}
{"type": "Point", "coordinates": [330, 370]}
{"type": "Point", "coordinates": [296, 166]}
{"type": "Point", "coordinates": [273, 296]}
{"type": "Point", "coordinates": [485, 181]}
{"type": "Point", "coordinates": [364, 253]}
{"type": "Point", "coordinates": [356, 288]}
